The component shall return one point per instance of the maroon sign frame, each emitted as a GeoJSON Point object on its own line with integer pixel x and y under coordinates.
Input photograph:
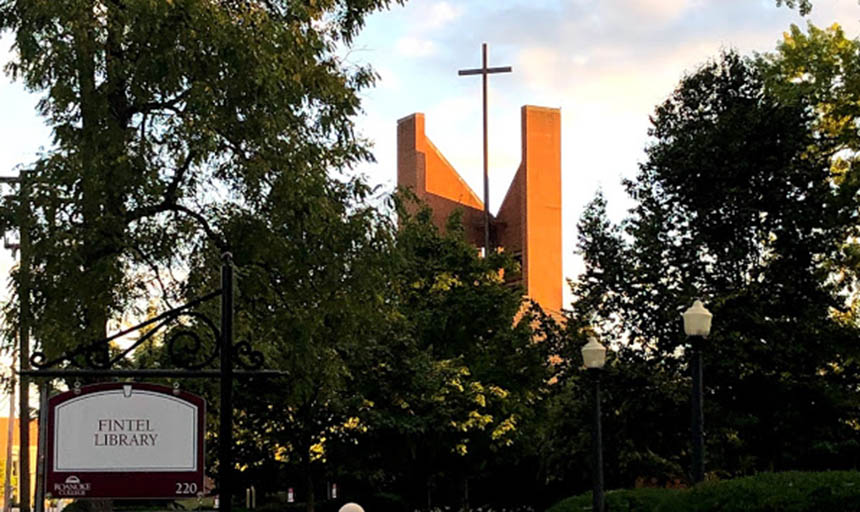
{"type": "Point", "coordinates": [114, 482]}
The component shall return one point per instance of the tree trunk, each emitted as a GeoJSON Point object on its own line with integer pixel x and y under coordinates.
{"type": "Point", "coordinates": [309, 489]}
{"type": "Point", "coordinates": [100, 150]}
{"type": "Point", "coordinates": [429, 485]}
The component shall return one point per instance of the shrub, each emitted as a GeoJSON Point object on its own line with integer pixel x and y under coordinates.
{"type": "Point", "coordinates": [772, 492]}
{"type": "Point", "coordinates": [632, 500]}
{"type": "Point", "coordinates": [765, 492]}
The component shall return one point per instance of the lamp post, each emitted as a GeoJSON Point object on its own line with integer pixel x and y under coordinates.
{"type": "Point", "coordinates": [697, 325]}
{"type": "Point", "coordinates": [594, 357]}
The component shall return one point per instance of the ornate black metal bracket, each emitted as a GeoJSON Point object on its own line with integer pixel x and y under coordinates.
{"type": "Point", "coordinates": [185, 343]}
{"type": "Point", "coordinates": [96, 355]}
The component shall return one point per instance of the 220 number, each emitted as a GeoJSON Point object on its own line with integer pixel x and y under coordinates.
{"type": "Point", "coordinates": [186, 488]}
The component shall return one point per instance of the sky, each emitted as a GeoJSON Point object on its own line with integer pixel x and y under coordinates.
{"type": "Point", "coordinates": [605, 63]}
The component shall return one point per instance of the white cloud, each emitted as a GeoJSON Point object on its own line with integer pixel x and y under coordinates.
{"type": "Point", "coordinates": [388, 79]}
{"type": "Point", "coordinates": [580, 60]}
{"type": "Point", "coordinates": [542, 67]}
{"type": "Point", "coordinates": [414, 47]}
{"type": "Point", "coordinates": [655, 10]}
{"type": "Point", "coordinates": [442, 13]}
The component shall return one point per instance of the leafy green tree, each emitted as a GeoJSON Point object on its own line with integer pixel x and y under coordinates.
{"type": "Point", "coordinates": [184, 128]}
{"type": "Point", "coordinates": [413, 366]}
{"type": "Point", "coordinates": [455, 388]}
{"type": "Point", "coordinates": [166, 116]}
{"type": "Point", "coordinates": [736, 204]}
{"type": "Point", "coordinates": [644, 399]}
{"type": "Point", "coordinates": [310, 294]}
{"type": "Point", "coordinates": [823, 66]}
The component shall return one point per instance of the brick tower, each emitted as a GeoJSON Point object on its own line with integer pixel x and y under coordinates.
{"type": "Point", "coordinates": [528, 224]}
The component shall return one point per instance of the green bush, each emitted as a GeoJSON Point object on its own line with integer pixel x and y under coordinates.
{"type": "Point", "coordinates": [632, 500]}
{"type": "Point", "coordinates": [772, 492]}
{"type": "Point", "coordinates": [765, 492]}
{"type": "Point", "coordinates": [388, 502]}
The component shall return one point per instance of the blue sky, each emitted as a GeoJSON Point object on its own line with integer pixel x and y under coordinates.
{"type": "Point", "coordinates": [605, 63]}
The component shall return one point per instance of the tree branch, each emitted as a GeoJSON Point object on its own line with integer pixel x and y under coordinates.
{"type": "Point", "coordinates": [170, 196]}
{"type": "Point", "coordinates": [146, 107]}
{"type": "Point", "coordinates": [207, 228]}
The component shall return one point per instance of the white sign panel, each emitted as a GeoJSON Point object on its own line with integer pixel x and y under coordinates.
{"type": "Point", "coordinates": [125, 430]}
{"type": "Point", "coordinates": [100, 434]}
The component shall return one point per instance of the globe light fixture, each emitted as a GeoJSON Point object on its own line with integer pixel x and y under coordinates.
{"type": "Point", "coordinates": [697, 320]}
{"type": "Point", "coordinates": [594, 354]}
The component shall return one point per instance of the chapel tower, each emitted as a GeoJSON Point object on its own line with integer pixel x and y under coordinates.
{"type": "Point", "coordinates": [528, 224]}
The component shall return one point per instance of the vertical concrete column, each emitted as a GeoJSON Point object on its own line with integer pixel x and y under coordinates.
{"type": "Point", "coordinates": [541, 132]}
{"type": "Point", "coordinates": [411, 162]}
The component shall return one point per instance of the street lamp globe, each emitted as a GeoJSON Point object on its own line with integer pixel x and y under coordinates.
{"type": "Point", "coordinates": [697, 320]}
{"type": "Point", "coordinates": [594, 354]}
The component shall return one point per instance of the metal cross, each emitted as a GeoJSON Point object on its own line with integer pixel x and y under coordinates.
{"type": "Point", "coordinates": [484, 70]}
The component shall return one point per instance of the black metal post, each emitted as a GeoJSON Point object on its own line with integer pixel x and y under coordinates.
{"type": "Point", "coordinates": [486, 171]}
{"type": "Point", "coordinates": [597, 443]}
{"type": "Point", "coordinates": [225, 435]}
{"type": "Point", "coordinates": [24, 339]}
{"type": "Point", "coordinates": [697, 429]}
{"type": "Point", "coordinates": [39, 505]}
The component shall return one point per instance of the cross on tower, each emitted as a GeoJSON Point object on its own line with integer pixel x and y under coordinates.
{"type": "Point", "coordinates": [484, 71]}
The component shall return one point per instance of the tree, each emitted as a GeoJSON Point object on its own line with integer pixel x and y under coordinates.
{"type": "Point", "coordinates": [644, 401]}
{"type": "Point", "coordinates": [823, 66]}
{"type": "Point", "coordinates": [311, 295]}
{"type": "Point", "coordinates": [453, 391]}
{"type": "Point", "coordinates": [165, 115]}
{"type": "Point", "coordinates": [402, 345]}
{"type": "Point", "coordinates": [182, 128]}
{"type": "Point", "coordinates": [736, 204]}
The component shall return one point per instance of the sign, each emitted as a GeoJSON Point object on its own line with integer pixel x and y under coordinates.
{"type": "Point", "coordinates": [125, 440]}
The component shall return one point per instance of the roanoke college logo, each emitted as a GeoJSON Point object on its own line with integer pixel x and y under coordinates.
{"type": "Point", "coordinates": [72, 487]}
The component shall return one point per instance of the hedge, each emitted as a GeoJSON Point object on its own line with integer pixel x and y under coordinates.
{"type": "Point", "coordinates": [765, 492]}
{"type": "Point", "coordinates": [633, 500]}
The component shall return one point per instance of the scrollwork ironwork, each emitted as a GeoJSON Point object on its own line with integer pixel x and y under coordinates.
{"type": "Point", "coordinates": [247, 357]}
{"type": "Point", "coordinates": [187, 356]}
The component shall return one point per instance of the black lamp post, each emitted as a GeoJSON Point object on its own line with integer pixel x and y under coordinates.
{"type": "Point", "coordinates": [697, 325]}
{"type": "Point", "coordinates": [594, 357]}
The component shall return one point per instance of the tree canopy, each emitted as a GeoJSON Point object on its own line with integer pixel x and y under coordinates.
{"type": "Point", "coordinates": [170, 121]}
{"type": "Point", "coordinates": [186, 128]}
{"type": "Point", "coordinates": [745, 199]}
